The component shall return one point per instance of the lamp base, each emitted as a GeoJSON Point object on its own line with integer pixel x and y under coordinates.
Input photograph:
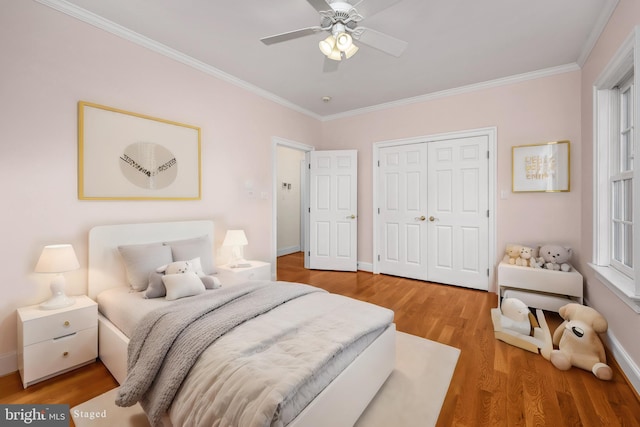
{"type": "Point", "coordinates": [56, 302]}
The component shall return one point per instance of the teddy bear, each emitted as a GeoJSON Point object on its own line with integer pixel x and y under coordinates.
{"type": "Point", "coordinates": [513, 252]}
{"type": "Point", "coordinates": [578, 342]}
{"type": "Point", "coordinates": [556, 257]}
{"type": "Point", "coordinates": [156, 287]}
{"type": "Point", "coordinates": [178, 267]}
{"type": "Point", "coordinates": [525, 257]}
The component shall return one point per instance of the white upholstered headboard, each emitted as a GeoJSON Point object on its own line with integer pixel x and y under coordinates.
{"type": "Point", "coordinates": [106, 269]}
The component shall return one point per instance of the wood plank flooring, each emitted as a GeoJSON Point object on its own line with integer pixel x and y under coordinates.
{"type": "Point", "coordinates": [494, 384]}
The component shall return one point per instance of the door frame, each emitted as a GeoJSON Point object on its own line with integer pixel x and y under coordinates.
{"type": "Point", "coordinates": [304, 196]}
{"type": "Point", "coordinates": [491, 133]}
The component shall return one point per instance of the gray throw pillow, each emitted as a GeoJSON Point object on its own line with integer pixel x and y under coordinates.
{"type": "Point", "coordinates": [140, 260]}
{"type": "Point", "coordinates": [188, 249]}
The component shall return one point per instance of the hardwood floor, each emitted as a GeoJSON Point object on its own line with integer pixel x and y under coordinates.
{"type": "Point", "coordinates": [494, 384]}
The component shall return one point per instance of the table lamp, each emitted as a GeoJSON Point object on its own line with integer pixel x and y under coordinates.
{"type": "Point", "coordinates": [236, 239]}
{"type": "Point", "coordinates": [57, 259]}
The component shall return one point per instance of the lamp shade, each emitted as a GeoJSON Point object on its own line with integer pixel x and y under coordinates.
{"type": "Point", "coordinates": [343, 41]}
{"type": "Point", "coordinates": [57, 259]}
{"type": "Point", "coordinates": [351, 51]}
{"type": "Point", "coordinates": [327, 45]}
{"type": "Point", "coordinates": [235, 238]}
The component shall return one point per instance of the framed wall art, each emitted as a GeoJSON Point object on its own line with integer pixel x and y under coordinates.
{"type": "Point", "coordinates": [541, 167]}
{"type": "Point", "coordinates": [130, 156]}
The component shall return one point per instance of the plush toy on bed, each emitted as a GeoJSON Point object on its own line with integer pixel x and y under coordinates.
{"type": "Point", "coordinates": [184, 278]}
{"type": "Point", "coordinates": [578, 341]}
{"type": "Point", "coordinates": [556, 257]}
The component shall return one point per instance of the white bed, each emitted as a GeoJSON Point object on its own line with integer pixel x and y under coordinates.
{"type": "Point", "coordinates": [339, 404]}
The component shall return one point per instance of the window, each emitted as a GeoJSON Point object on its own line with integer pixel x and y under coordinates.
{"type": "Point", "coordinates": [616, 257]}
{"type": "Point", "coordinates": [621, 179]}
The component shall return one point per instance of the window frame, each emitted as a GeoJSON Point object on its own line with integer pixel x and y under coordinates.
{"type": "Point", "coordinates": [606, 114]}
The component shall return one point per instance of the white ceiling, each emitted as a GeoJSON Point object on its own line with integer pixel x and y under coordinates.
{"type": "Point", "coordinates": [452, 44]}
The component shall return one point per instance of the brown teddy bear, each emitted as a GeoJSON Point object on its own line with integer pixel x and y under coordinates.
{"type": "Point", "coordinates": [578, 342]}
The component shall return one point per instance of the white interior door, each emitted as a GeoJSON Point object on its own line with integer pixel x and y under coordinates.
{"type": "Point", "coordinates": [333, 210]}
{"type": "Point", "coordinates": [458, 218]}
{"type": "Point", "coordinates": [402, 208]}
{"type": "Point", "coordinates": [433, 205]}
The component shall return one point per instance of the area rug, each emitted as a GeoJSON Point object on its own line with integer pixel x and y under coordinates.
{"type": "Point", "coordinates": [412, 395]}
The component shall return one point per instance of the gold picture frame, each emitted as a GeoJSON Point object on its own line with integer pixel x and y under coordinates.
{"type": "Point", "coordinates": [541, 167]}
{"type": "Point", "coordinates": [130, 156]}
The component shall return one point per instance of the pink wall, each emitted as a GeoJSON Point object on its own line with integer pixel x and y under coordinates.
{"type": "Point", "coordinates": [623, 321]}
{"type": "Point", "coordinates": [530, 112]}
{"type": "Point", "coordinates": [51, 61]}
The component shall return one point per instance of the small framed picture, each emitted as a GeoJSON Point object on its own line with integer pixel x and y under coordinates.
{"type": "Point", "coordinates": [541, 167]}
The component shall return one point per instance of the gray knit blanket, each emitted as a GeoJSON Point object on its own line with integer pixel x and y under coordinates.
{"type": "Point", "coordinates": [168, 341]}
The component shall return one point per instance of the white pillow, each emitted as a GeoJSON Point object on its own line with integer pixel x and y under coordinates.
{"type": "Point", "coordinates": [182, 285]}
{"type": "Point", "coordinates": [140, 260]}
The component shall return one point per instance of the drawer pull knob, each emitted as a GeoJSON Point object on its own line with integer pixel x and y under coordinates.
{"type": "Point", "coordinates": [66, 323]}
{"type": "Point", "coordinates": [65, 354]}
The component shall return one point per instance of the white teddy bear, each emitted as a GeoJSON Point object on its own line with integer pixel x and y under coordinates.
{"type": "Point", "coordinates": [513, 252]}
{"type": "Point", "coordinates": [525, 257]}
{"type": "Point", "coordinates": [178, 267]}
{"type": "Point", "coordinates": [556, 257]}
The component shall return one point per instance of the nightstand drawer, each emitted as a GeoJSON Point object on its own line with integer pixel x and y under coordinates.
{"type": "Point", "coordinates": [55, 355]}
{"type": "Point", "coordinates": [59, 324]}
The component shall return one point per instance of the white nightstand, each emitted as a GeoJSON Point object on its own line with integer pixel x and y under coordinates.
{"type": "Point", "coordinates": [259, 270]}
{"type": "Point", "coordinates": [51, 342]}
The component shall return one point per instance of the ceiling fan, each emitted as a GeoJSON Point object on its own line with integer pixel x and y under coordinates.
{"type": "Point", "coordinates": [342, 20]}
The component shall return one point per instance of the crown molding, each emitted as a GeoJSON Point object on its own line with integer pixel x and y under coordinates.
{"type": "Point", "coordinates": [120, 31]}
{"type": "Point", "coordinates": [596, 32]}
{"type": "Point", "coordinates": [459, 90]}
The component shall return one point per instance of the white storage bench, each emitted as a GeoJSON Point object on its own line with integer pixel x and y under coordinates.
{"type": "Point", "coordinates": [539, 287]}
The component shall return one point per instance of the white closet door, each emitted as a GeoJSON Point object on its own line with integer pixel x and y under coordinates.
{"type": "Point", "coordinates": [458, 215]}
{"type": "Point", "coordinates": [403, 205]}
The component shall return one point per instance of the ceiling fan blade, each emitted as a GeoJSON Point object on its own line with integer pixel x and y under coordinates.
{"type": "Point", "coordinates": [381, 41]}
{"type": "Point", "coordinates": [369, 8]}
{"type": "Point", "coordinates": [278, 38]}
{"type": "Point", "coordinates": [330, 65]}
{"type": "Point", "coordinates": [319, 5]}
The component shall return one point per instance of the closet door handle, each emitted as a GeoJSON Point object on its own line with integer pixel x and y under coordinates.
{"type": "Point", "coordinates": [421, 218]}
{"type": "Point", "coordinates": [432, 218]}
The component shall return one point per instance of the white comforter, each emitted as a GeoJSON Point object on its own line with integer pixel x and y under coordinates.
{"type": "Point", "coordinates": [262, 361]}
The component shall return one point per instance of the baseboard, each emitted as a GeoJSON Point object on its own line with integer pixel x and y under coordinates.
{"type": "Point", "coordinates": [626, 363]}
{"type": "Point", "coordinates": [365, 266]}
{"type": "Point", "coordinates": [8, 363]}
{"type": "Point", "coordinates": [289, 250]}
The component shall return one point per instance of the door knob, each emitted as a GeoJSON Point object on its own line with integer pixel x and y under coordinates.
{"type": "Point", "coordinates": [420, 218]}
{"type": "Point", "coordinates": [351, 216]}
{"type": "Point", "coordinates": [432, 218]}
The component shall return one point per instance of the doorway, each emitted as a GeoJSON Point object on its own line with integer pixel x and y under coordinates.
{"type": "Point", "coordinates": [434, 208]}
{"type": "Point", "coordinates": [290, 196]}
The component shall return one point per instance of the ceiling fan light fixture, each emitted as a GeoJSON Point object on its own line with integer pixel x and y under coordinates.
{"type": "Point", "coordinates": [351, 51]}
{"type": "Point", "coordinates": [327, 45]}
{"type": "Point", "coordinates": [335, 54]}
{"type": "Point", "coordinates": [343, 41]}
